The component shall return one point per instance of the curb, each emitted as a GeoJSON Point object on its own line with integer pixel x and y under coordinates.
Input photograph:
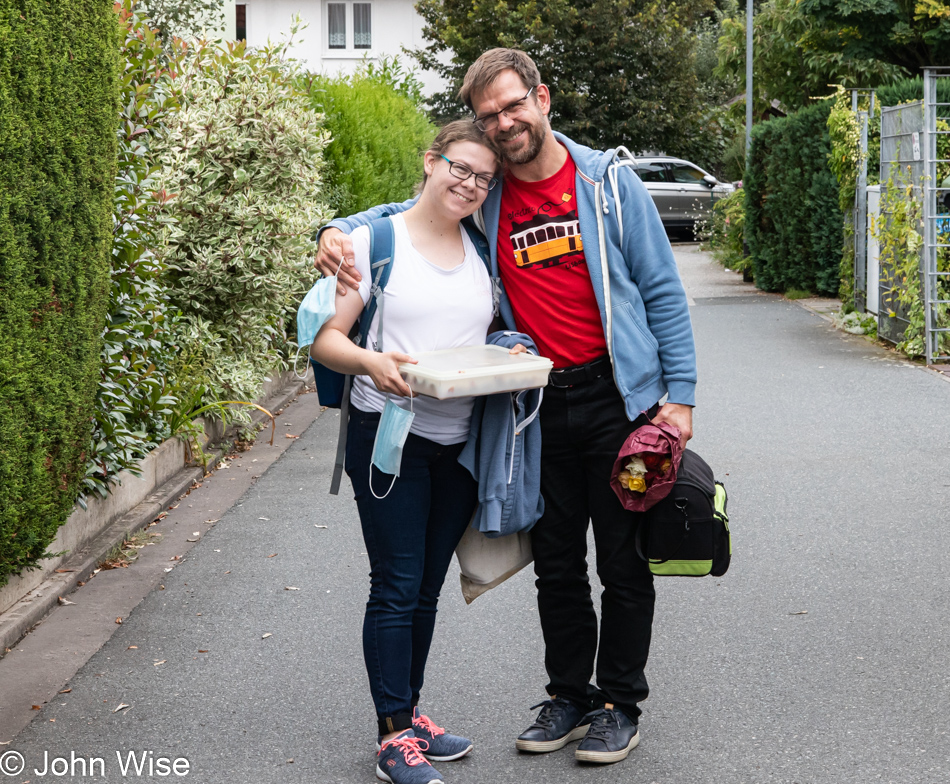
{"type": "Point", "coordinates": [33, 608]}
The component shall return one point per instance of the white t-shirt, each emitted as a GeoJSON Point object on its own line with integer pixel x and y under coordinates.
{"type": "Point", "coordinates": [426, 308]}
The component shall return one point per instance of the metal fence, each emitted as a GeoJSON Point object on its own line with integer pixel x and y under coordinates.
{"type": "Point", "coordinates": [859, 217]}
{"type": "Point", "coordinates": [936, 248]}
{"type": "Point", "coordinates": [902, 167]}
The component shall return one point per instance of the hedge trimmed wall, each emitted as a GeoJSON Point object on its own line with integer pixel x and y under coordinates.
{"type": "Point", "coordinates": [58, 120]}
{"type": "Point", "coordinates": [794, 226]}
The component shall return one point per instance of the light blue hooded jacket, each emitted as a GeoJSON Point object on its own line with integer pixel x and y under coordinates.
{"type": "Point", "coordinates": [503, 454]}
{"type": "Point", "coordinates": [643, 306]}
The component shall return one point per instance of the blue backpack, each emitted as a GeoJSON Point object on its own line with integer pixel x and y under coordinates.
{"type": "Point", "coordinates": [333, 388]}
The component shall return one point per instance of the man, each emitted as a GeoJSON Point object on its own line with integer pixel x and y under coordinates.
{"type": "Point", "coordinates": [588, 272]}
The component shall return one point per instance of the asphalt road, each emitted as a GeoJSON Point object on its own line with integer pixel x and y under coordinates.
{"type": "Point", "coordinates": [820, 658]}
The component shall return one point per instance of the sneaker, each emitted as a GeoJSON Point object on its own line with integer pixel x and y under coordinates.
{"type": "Point", "coordinates": [611, 737]}
{"type": "Point", "coordinates": [443, 746]}
{"type": "Point", "coordinates": [400, 761]}
{"type": "Point", "coordinates": [558, 723]}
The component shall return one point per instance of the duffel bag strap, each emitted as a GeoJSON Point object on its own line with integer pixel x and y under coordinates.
{"type": "Point", "coordinates": [638, 539]}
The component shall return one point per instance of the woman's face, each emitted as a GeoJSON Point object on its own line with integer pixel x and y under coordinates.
{"type": "Point", "coordinates": [444, 190]}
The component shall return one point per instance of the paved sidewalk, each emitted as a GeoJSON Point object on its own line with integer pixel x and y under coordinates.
{"type": "Point", "coordinates": [820, 658]}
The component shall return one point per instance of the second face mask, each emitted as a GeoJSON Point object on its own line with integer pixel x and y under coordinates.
{"type": "Point", "coordinates": [391, 437]}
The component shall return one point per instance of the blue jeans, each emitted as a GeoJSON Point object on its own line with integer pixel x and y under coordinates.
{"type": "Point", "coordinates": [410, 537]}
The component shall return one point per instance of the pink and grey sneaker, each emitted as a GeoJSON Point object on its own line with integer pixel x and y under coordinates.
{"type": "Point", "coordinates": [400, 761]}
{"type": "Point", "coordinates": [442, 746]}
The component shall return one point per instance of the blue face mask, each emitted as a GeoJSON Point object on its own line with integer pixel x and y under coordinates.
{"type": "Point", "coordinates": [391, 436]}
{"type": "Point", "coordinates": [316, 309]}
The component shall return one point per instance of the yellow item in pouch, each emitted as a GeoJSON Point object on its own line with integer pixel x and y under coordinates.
{"type": "Point", "coordinates": [632, 482]}
{"type": "Point", "coordinates": [637, 484]}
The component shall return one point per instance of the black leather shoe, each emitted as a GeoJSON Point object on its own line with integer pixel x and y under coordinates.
{"type": "Point", "coordinates": [611, 737]}
{"type": "Point", "coordinates": [558, 723]}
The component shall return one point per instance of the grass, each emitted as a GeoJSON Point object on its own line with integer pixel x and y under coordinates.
{"type": "Point", "coordinates": [798, 294]}
{"type": "Point", "coordinates": [123, 555]}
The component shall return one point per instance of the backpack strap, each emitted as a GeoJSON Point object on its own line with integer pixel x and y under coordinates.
{"type": "Point", "coordinates": [381, 242]}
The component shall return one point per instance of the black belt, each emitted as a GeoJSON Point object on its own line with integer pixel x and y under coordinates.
{"type": "Point", "coordinates": [580, 374]}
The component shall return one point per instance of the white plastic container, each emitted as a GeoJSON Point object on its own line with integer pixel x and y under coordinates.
{"type": "Point", "coordinates": [474, 370]}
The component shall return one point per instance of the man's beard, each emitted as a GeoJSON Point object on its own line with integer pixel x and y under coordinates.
{"type": "Point", "coordinates": [529, 151]}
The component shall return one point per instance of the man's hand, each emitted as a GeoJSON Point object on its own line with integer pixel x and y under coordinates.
{"type": "Point", "coordinates": [334, 245]}
{"type": "Point", "coordinates": [679, 416]}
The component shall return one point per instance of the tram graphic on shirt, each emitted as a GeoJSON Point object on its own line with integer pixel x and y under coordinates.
{"type": "Point", "coordinates": [546, 240]}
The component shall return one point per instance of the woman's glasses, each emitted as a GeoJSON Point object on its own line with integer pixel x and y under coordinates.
{"type": "Point", "coordinates": [484, 181]}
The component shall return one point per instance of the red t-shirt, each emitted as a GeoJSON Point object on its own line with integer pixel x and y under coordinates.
{"type": "Point", "coordinates": [542, 265]}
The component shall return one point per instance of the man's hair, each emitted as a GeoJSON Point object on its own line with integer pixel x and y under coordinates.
{"type": "Point", "coordinates": [486, 69]}
{"type": "Point", "coordinates": [460, 131]}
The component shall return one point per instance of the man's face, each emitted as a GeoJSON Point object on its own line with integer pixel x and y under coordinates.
{"type": "Point", "coordinates": [521, 135]}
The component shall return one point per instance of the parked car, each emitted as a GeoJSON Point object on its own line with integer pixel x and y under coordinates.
{"type": "Point", "coordinates": [682, 192]}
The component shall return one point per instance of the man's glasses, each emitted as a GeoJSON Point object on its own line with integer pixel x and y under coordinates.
{"type": "Point", "coordinates": [489, 122]}
{"type": "Point", "coordinates": [484, 181]}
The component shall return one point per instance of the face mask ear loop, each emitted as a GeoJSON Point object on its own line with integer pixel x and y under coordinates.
{"type": "Point", "coordinates": [381, 497]}
{"type": "Point", "coordinates": [378, 497]}
{"type": "Point", "coordinates": [339, 266]}
{"type": "Point", "coordinates": [296, 356]}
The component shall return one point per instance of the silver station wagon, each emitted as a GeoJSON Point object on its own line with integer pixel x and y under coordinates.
{"type": "Point", "coordinates": [682, 192]}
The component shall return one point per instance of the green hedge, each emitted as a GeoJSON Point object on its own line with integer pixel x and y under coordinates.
{"type": "Point", "coordinates": [58, 116]}
{"type": "Point", "coordinates": [378, 134]}
{"type": "Point", "coordinates": [911, 89]}
{"type": "Point", "coordinates": [793, 221]}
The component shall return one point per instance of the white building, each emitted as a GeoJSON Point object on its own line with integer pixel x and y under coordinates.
{"type": "Point", "coordinates": [339, 33]}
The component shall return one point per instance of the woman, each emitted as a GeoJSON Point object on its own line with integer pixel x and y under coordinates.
{"type": "Point", "coordinates": [438, 296]}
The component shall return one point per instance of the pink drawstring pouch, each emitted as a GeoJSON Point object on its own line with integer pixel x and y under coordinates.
{"type": "Point", "coordinates": [649, 458]}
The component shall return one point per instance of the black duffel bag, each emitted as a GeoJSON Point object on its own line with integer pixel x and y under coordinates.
{"type": "Point", "coordinates": [686, 534]}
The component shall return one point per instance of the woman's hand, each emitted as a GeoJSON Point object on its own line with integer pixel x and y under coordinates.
{"type": "Point", "coordinates": [383, 368]}
{"type": "Point", "coordinates": [518, 349]}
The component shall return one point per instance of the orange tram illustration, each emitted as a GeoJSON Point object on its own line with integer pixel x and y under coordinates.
{"type": "Point", "coordinates": [546, 240]}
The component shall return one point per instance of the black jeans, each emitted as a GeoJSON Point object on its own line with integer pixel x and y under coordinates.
{"type": "Point", "coordinates": [583, 428]}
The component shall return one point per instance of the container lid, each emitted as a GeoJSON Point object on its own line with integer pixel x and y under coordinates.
{"type": "Point", "coordinates": [473, 361]}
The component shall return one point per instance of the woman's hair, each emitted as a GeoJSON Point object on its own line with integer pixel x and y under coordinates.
{"type": "Point", "coordinates": [460, 131]}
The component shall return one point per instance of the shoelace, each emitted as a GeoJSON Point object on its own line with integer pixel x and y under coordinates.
{"type": "Point", "coordinates": [548, 714]}
{"type": "Point", "coordinates": [600, 723]}
{"type": "Point", "coordinates": [428, 725]}
{"type": "Point", "coordinates": [411, 749]}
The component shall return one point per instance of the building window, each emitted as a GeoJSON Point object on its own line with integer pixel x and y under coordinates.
{"type": "Point", "coordinates": [240, 27]}
{"type": "Point", "coordinates": [362, 25]}
{"type": "Point", "coordinates": [345, 16]}
{"type": "Point", "coordinates": [336, 25]}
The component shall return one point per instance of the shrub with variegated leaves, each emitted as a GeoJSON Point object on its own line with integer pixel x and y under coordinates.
{"type": "Point", "coordinates": [241, 167]}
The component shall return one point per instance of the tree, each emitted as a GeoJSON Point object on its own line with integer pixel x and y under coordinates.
{"type": "Point", "coordinates": [784, 66]}
{"type": "Point", "coordinates": [909, 34]}
{"type": "Point", "coordinates": [620, 71]}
